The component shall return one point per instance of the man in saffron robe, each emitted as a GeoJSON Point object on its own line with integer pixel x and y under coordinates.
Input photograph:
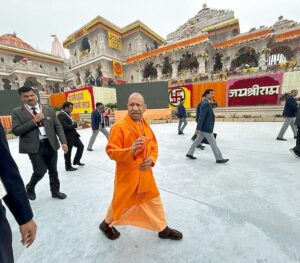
{"type": "Point", "coordinates": [136, 199]}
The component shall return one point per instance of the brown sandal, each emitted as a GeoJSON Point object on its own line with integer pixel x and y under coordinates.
{"type": "Point", "coordinates": [169, 233]}
{"type": "Point", "coordinates": [110, 232]}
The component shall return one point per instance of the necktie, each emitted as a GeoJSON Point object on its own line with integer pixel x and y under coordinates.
{"type": "Point", "coordinates": [34, 111]}
{"type": "Point", "coordinates": [39, 124]}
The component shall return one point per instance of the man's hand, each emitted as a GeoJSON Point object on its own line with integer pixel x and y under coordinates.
{"type": "Point", "coordinates": [65, 148]}
{"type": "Point", "coordinates": [197, 132]}
{"type": "Point", "coordinates": [28, 233]}
{"type": "Point", "coordinates": [146, 164]}
{"type": "Point", "coordinates": [137, 144]}
{"type": "Point", "coordinates": [39, 117]}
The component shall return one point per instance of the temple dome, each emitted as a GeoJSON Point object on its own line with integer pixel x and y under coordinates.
{"type": "Point", "coordinates": [13, 40]}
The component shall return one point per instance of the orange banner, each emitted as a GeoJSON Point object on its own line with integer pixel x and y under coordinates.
{"type": "Point", "coordinates": [57, 99]}
{"type": "Point", "coordinates": [118, 68]}
{"type": "Point", "coordinates": [219, 88]}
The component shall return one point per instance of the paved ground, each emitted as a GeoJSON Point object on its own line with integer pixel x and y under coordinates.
{"type": "Point", "coordinates": [244, 211]}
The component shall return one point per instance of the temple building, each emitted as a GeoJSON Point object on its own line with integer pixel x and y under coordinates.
{"type": "Point", "coordinates": [99, 50]}
{"type": "Point", "coordinates": [208, 46]}
{"type": "Point", "coordinates": [21, 64]}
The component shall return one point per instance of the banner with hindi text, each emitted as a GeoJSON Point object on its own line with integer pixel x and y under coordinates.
{"type": "Point", "coordinates": [82, 99]}
{"type": "Point", "coordinates": [251, 91]}
{"type": "Point", "coordinates": [114, 40]}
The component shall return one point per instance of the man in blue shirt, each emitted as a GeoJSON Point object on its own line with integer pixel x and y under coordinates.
{"type": "Point", "coordinates": [289, 114]}
{"type": "Point", "coordinates": [181, 113]}
{"type": "Point", "coordinates": [98, 124]}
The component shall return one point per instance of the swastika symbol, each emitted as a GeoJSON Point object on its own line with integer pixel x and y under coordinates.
{"type": "Point", "coordinates": [175, 96]}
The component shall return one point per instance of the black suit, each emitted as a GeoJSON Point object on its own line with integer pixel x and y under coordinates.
{"type": "Point", "coordinates": [16, 199]}
{"type": "Point", "coordinates": [72, 139]}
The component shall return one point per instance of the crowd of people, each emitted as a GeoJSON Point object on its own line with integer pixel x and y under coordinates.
{"type": "Point", "coordinates": [136, 198]}
{"type": "Point", "coordinates": [205, 119]}
{"type": "Point", "coordinates": [131, 144]}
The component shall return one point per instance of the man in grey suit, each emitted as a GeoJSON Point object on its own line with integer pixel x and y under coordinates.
{"type": "Point", "coordinates": [98, 124]}
{"type": "Point", "coordinates": [205, 127]}
{"type": "Point", "coordinates": [296, 150]}
{"type": "Point", "coordinates": [38, 129]}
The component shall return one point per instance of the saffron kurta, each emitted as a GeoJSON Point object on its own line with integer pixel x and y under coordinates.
{"type": "Point", "coordinates": [136, 198]}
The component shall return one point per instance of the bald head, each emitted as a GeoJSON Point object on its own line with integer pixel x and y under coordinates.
{"type": "Point", "coordinates": [136, 106]}
{"type": "Point", "coordinates": [137, 96]}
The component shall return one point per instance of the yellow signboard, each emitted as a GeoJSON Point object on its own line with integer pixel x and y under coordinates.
{"type": "Point", "coordinates": [118, 68]}
{"type": "Point", "coordinates": [114, 41]}
{"type": "Point", "coordinates": [82, 101]}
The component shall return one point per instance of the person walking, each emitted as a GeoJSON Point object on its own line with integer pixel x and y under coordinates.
{"type": "Point", "coordinates": [296, 150]}
{"type": "Point", "coordinates": [205, 127]}
{"type": "Point", "coordinates": [98, 125]}
{"type": "Point", "coordinates": [289, 114]}
{"type": "Point", "coordinates": [181, 112]}
{"type": "Point", "coordinates": [38, 128]}
{"type": "Point", "coordinates": [136, 198]}
{"type": "Point", "coordinates": [73, 140]}
{"type": "Point", "coordinates": [200, 146]}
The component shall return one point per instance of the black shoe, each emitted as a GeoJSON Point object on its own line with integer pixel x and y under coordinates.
{"type": "Point", "coordinates": [281, 139]}
{"type": "Point", "coordinates": [110, 232]}
{"type": "Point", "coordinates": [296, 154]}
{"type": "Point", "coordinates": [71, 169]}
{"type": "Point", "coordinates": [201, 147]}
{"type": "Point", "coordinates": [222, 161]}
{"type": "Point", "coordinates": [89, 149]}
{"type": "Point", "coordinates": [180, 133]}
{"type": "Point", "coordinates": [169, 233]}
{"type": "Point", "coordinates": [191, 157]}
{"type": "Point", "coordinates": [59, 195]}
{"type": "Point", "coordinates": [194, 137]}
{"type": "Point", "coordinates": [80, 164]}
{"type": "Point", "coordinates": [30, 193]}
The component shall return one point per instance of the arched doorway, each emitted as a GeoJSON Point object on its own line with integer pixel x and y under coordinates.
{"type": "Point", "coordinates": [85, 45]}
{"type": "Point", "coordinates": [167, 67]}
{"type": "Point", "coordinates": [150, 71]}
{"type": "Point", "coordinates": [6, 84]}
{"type": "Point", "coordinates": [246, 56]}
{"type": "Point", "coordinates": [280, 54]}
{"type": "Point", "coordinates": [32, 82]}
{"type": "Point", "coordinates": [188, 61]}
{"type": "Point", "coordinates": [218, 66]}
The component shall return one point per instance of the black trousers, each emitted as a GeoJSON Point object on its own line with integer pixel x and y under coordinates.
{"type": "Point", "coordinates": [80, 147]}
{"type": "Point", "coordinates": [6, 252]}
{"type": "Point", "coordinates": [45, 159]}
{"type": "Point", "coordinates": [297, 147]}
{"type": "Point", "coordinates": [106, 119]}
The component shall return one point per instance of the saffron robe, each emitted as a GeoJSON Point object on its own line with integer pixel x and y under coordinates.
{"type": "Point", "coordinates": [136, 198]}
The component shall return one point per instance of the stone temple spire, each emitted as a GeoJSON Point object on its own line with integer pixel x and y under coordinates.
{"type": "Point", "coordinates": [57, 48]}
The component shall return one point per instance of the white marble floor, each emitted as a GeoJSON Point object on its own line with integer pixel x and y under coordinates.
{"type": "Point", "coordinates": [244, 211]}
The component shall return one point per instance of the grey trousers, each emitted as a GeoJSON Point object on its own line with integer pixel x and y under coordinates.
{"type": "Point", "coordinates": [288, 121]}
{"type": "Point", "coordinates": [94, 136]}
{"type": "Point", "coordinates": [212, 142]}
{"type": "Point", "coordinates": [181, 120]}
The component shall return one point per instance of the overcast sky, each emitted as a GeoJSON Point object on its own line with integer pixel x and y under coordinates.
{"type": "Point", "coordinates": [35, 20]}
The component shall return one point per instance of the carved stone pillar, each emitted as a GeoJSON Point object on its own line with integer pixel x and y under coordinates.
{"type": "Point", "coordinates": [102, 41]}
{"type": "Point", "coordinates": [139, 44]}
{"type": "Point", "coordinates": [201, 67]}
{"type": "Point", "coordinates": [159, 72]}
{"type": "Point", "coordinates": [175, 70]}
{"type": "Point", "coordinates": [262, 60]}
